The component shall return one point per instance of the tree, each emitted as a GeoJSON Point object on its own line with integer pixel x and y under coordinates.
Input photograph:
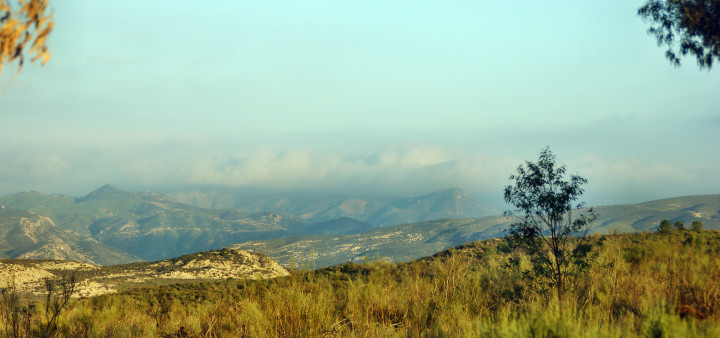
{"type": "Point", "coordinates": [665, 227]}
{"type": "Point", "coordinates": [28, 26]}
{"type": "Point", "coordinates": [685, 27]}
{"type": "Point", "coordinates": [679, 225]}
{"type": "Point", "coordinates": [697, 226]}
{"type": "Point", "coordinates": [551, 231]}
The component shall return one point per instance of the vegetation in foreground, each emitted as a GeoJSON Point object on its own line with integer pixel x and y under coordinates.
{"type": "Point", "coordinates": [660, 284]}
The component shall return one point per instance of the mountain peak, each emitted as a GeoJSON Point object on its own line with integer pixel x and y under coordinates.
{"type": "Point", "coordinates": [449, 192]}
{"type": "Point", "coordinates": [105, 192]}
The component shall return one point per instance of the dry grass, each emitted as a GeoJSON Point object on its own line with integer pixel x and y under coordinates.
{"type": "Point", "coordinates": [640, 285]}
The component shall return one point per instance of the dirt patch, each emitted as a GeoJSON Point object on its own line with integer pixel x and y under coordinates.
{"type": "Point", "coordinates": [64, 265]}
{"type": "Point", "coordinates": [26, 278]}
{"type": "Point", "coordinates": [91, 288]}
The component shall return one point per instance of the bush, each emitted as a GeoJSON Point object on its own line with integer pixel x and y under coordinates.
{"type": "Point", "coordinates": [679, 225]}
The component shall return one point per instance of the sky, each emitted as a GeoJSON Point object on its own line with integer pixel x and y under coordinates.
{"type": "Point", "coordinates": [393, 98]}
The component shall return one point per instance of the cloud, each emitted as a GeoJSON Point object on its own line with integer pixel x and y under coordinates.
{"type": "Point", "coordinates": [75, 163]}
{"type": "Point", "coordinates": [637, 179]}
{"type": "Point", "coordinates": [303, 168]}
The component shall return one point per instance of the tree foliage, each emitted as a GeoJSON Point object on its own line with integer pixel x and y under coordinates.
{"type": "Point", "coordinates": [679, 225]}
{"type": "Point", "coordinates": [24, 28]}
{"type": "Point", "coordinates": [665, 227]}
{"type": "Point", "coordinates": [697, 226]}
{"type": "Point", "coordinates": [551, 230]}
{"type": "Point", "coordinates": [685, 27]}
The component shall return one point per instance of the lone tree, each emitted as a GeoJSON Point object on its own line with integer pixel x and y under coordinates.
{"type": "Point", "coordinates": [24, 28]}
{"type": "Point", "coordinates": [685, 27]}
{"type": "Point", "coordinates": [551, 231]}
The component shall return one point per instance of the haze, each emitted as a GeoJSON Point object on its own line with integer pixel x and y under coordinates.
{"type": "Point", "coordinates": [357, 97]}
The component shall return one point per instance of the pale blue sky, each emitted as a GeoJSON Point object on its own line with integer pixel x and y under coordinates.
{"type": "Point", "coordinates": [392, 97]}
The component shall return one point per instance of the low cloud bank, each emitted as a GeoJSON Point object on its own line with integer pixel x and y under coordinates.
{"type": "Point", "coordinates": [144, 162]}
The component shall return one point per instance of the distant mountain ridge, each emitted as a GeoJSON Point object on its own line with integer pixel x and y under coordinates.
{"type": "Point", "coordinates": [410, 241]}
{"type": "Point", "coordinates": [450, 202]}
{"type": "Point", "coordinates": [151, 226]}
{"type": "Point", "coordinates": [110, 225]}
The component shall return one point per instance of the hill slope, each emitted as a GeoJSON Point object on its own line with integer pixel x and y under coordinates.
{"type": "Point", "coordinates": [26, 235]}
{"type": "Point", "coordinates": [410, 241]}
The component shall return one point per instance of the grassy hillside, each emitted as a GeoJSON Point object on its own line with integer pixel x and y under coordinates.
{"type": "Point", "coordinates": [647, 215]}
{"type": "Point", "coordinates": [640, 285]}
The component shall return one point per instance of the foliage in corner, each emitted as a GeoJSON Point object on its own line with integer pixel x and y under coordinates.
{"type": "Point", "coordinates": [28, 26]}
{"type": "Point", "coordinates": [551, 230]}
{"type": "Point", "coordinates": [685, 27]}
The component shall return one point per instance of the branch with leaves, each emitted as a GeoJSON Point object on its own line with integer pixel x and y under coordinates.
{"type": "Point", "coordinates": [24, 29]}
{"type": "Point", "coordinates": [685, 27]}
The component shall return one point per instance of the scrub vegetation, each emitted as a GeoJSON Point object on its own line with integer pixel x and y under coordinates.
{"type": "Point", "coordinates": [644, 284]}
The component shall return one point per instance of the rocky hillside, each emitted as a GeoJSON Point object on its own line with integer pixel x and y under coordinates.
{"type": "Point", "coordinates": [25, 235]}
{"type": "Point", "coordinates": [29, 275]}
{"type": "Point", "coordinates": [149, 225]}
{"type": "Point", "coordinates": [394, 243]}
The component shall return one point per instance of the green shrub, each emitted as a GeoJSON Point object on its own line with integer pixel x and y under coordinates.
{"type": "Point", "coordinates": [664, 227]}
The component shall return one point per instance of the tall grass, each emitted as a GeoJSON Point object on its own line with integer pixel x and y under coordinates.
{"type": "Point", "coordinates": [640, 285]}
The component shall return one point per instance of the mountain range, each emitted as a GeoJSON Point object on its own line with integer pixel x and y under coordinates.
{"type": "Point", "coordinates": [379, 211]}
{"type": "Point", "coordinates": [110, 225]}
{"type": "Point", "coordinates": [150, 226]}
